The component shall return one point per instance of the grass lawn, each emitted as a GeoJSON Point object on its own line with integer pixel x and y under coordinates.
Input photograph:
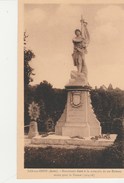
{"type": "Point", "coordinates": [38, 157]}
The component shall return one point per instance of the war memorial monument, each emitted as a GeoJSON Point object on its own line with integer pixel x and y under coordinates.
{"type": "Point", "coordinates": [78, 124]}
{"type": "Point", "coordinates": [78, 118]}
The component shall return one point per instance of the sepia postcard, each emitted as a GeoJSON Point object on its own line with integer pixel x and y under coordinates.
{"type": "Point", "coordinates": [70, 89]}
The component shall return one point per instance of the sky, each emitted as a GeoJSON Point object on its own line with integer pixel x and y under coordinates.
{"type": "Point", "coordinates": [51, 28]}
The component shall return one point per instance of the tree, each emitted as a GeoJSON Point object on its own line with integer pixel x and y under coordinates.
{"type": "Point", "coordinates": [51, 101]}
{"type": "Point", "coordinates": [28, 71]}
{"type": "Point", "coordinates": [110, 87]}
{"type": "Point", "coordinates": [108, 106]}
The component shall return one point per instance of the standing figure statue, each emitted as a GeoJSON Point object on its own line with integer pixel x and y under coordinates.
{"type": "Point", "coordinates": [81, 42]}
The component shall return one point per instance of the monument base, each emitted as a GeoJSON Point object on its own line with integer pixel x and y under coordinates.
{"type": "Point", "coordinates": [33, 129]}
{"type": "Point", "coordinates": [58, 141]}
{"type": "Point", "coordinates": [78, 118]}
{"type": "Point", "coordinates": [72, 131]}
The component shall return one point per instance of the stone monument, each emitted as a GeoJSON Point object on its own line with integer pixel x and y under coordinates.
{"type": "Point", "coordinates": [78, 118]}
{"type": "Point", "coordinates": [34, 113]}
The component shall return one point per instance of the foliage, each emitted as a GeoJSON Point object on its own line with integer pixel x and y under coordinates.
{"type": "Point", "coordinates": [108, 106]}
{"type": "Point", "coordinates": [108, 103]}
{"type": "Point", "coordinates": [113, 156]}
{"type": "Point", "coordinates": [28, 70]}
{"type": "Point", "coordinates": [49, 157]}
{"type": "Point", "coordinates": [38, 157]}
{"type": "Point", "coordinates": [60, 158]}
{"type": "Point", "coordinates": [51, 101]}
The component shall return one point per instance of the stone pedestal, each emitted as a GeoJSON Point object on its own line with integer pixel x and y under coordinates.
{"type": "Point", "coordinates": [78, 118]}
{"type": "Point", "coordinates": [33, 129]}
